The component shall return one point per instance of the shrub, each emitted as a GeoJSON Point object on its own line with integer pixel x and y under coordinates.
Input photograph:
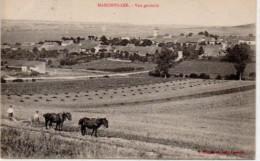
{"type": "Point", "coordinates": [18, 80]}
{"type": "Point", "coordinates": [181, 75]}
{"type": "Point", "coordinates": [252, 75]}
{"type": "Point", "coordinates": [194, 75]}
{"type": "Point", "coordinates": [3, 80]}
{"type": "Point", "coordinates": [139, 68]}
{"type": "Point", "coordinates": [34, 73]}
{"type": "Point", "coordinates": [33, 80]}
{"type": "Point", "coordinates": [219, 77]}
{"type": "Point", "coordinates": [231, 77]}
{"type": "Point", "coordinates": [154, 73]}
{"type": "Point", "coordinates": [204, 76]}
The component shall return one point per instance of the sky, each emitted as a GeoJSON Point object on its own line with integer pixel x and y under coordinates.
{"type": "Point", "coordinates": [179, 12]}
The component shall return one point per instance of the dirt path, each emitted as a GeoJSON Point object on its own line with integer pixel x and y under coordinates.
{"type": "Point", "coordinates": [76, 77]}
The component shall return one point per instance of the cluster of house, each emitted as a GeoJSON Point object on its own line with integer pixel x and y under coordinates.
{"type": "Point", "coordinates": [211, 46]}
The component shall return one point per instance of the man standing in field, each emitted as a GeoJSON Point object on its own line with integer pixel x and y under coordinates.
{"type": "Point", "coordinates": [10, 112]}
{"type": "Point", "coordinates": [36, 118]}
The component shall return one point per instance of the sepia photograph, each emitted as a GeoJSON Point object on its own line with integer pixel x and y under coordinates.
{"type": "Point", "coordinates": [128, 79]}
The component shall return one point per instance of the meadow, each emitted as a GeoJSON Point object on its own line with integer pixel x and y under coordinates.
{"type": "Point", "coordinates": [213, 69]}
{"type": "Point", "coordinates": [158, 120]}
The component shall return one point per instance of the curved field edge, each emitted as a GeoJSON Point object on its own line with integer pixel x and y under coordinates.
{"type": "Point", "coordinates": [196, 95]}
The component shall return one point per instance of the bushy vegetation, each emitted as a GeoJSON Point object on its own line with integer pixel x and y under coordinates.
{"type": "Point", "coordinates": [219, 77]}
{"type": "Point", "coordinates": [25, 144]}
{"type": "Point", "coordinates": [119, 69]}
{"type": "Point", "coordinates": [231, 77]}
{"type": "Point", "coordinates": [156, 73]}
{"type": "Point", "coordinates": [18, 80]}
{"type": "Point", "coordinates": [240, 55]}
{"type": "Point", "coordinates": [252, 75]}
{"type": "Point", "coordinates": [204, 76]}
{"type": "Point", "coordinates": [193, 75]}
{"type": "Point", "coordinates": [164, 60]}
{"type": "Point", "coordinates": [3, 80]}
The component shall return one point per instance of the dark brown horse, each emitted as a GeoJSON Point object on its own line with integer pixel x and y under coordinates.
{"type": "Point", "coordinates": [92, 123]}
{"type": "Point", "coordinates": [56, 118]}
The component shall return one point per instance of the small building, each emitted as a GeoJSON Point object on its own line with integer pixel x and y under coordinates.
{"type": "Point", "coordinates": [36, 66]}
{"type": "Point", "coordinates": [66, 42]}
{"type": "Point", "coordinates": [49, 45]}
{"type": "Point", "coordinates": [5, 46]}
{"type": "Point", "coordinates": [27, 66]}
{"type": "Point", "coordinates": [125, 38]}
{"type": "Point", "coordinates": [155, 32]}
{"type": "Point", "coordinates": [25, 44]}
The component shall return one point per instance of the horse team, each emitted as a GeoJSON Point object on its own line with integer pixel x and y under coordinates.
{"type": "Point", "coordinates": [90, 123]}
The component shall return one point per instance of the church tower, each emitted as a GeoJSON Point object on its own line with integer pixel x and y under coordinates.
{"type": "Point", "coordinates": [155, 32]}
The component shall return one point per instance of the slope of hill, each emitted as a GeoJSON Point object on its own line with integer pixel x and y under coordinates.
{"type": "Point", "coordinates": [32, 31]}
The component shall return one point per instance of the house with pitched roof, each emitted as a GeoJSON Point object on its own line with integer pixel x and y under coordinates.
{"type": "Point", "coordinates": [250, 40]}
{"type": "Point", "coordinates": [49, 45]}
{"type": "Point", "coordinates": [66, 42]}
{"type": "Point", "coordinates": [27, 66]}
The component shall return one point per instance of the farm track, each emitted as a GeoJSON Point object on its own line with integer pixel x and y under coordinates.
{"type": "Point", "coordinates": [149, 148]}
{"type": "Point", "coordinates": [197, 95]}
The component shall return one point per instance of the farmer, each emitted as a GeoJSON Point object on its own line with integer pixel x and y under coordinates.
{"type": "Point", "coordinates": [36, 118]}
{"type": "Point", "coordinates": [10, 112]}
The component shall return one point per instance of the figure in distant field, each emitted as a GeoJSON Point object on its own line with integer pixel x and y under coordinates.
{"type": "Point", "coordinates": [36, 119]}
{"type": "Point", "coordinates": [92, 123]}
{"type": "Point", "coordinates": [10, 112]}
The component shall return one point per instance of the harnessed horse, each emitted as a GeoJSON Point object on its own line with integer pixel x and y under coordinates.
{"type": "Point", "coordinates": [56, 118]}
{"type": "Point", "coordinates": [92, 123]}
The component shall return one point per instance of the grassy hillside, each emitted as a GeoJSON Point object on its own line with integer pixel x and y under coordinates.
{"type": "Point", "coordinates": [171, 128]}
{"type": "Point", "coordinates": [211, 68]}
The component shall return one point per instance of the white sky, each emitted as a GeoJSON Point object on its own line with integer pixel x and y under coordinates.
{"type": "Point", "coordinates": [193, 12]}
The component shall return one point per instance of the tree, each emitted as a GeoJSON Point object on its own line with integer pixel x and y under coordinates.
{"type": "Point", "coordinates": [201, 33]}
{"type": "Point", "coordinates": [147, 42]}
{"type": "Point", "coordinates": [190, 34]}
{"type": "Point", "coordinates": [164, 61]}
{"type": "Point", "coordinates": [201, 50]}
{"type": "Point", "coordinates": [49, 62]}
{"type": "Point", "coordinates": [124, 42]}
{"type": "Point", "coordinates": [17, 44]}
{"type": "Point", "coordinates": [206, 33]}
{"type": "Point", "coordinates": [240, 55]}
{"type": "Point", "coordinates": [35, 50]}
{"type": "Point", "coordinates": [103, 39]}
{"type": "Point", "coordinates": [182, 34]}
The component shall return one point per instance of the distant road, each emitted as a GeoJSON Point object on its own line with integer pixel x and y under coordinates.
{"type": "Point", "coordinates": [74, 77]}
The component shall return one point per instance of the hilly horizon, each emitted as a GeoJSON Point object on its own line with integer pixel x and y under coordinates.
{"type": "Point", "coordinates": [13, 31]}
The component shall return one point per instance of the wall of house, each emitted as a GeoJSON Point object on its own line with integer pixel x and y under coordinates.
{"type": "Point", "coordinates": [24, 68]}
{"type": "Point", "coordinates": [41, 68]}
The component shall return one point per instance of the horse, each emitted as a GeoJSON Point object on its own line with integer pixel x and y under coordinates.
{"type": "Point", "coordinates": [56, 118]}
{"type": "Point", "coordinates": [92, 123]}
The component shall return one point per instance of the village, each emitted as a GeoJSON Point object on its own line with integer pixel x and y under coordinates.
{"type": "Point", "coordinates": [35, 57]}
{"type": "Point", "coordinates": [159, 80]}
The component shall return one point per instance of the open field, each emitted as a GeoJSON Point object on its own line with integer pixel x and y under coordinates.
{"type": "Point", "coordinates": [53, 86]}
{"type": "Point", "coordinates": [166, 120]}
{"type": "Point", "coordinates": [107, 64]}
{"type": "Point", "coordinates": [211, 68]}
